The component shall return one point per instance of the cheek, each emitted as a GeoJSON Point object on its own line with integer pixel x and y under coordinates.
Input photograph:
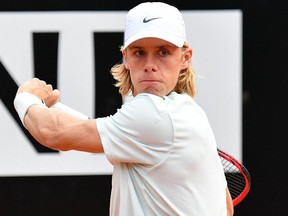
{"type": "Point", "coordinates": [126, 65]}
{"type": "Point", "coordinates": [133, 76]}
{"type": "Point", "coordinates": [176, 78]}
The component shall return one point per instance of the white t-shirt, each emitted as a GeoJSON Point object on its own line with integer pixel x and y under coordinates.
{"type": "Point", "coordinates": [165, 158]}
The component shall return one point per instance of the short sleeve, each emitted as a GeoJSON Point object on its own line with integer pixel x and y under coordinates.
{"type": "Point", "coordinates": [140, 132]}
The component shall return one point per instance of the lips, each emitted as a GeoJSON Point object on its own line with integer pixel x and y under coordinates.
{"type": "Point", "coordinates": [149, 80]}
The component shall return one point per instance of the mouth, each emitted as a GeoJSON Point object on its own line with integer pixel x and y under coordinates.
{"type": "Point", "coordinates": [149, 81]}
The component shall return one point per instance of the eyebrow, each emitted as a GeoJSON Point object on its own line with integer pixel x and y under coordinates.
{"type": "Point", "coordinates": [166, 45]}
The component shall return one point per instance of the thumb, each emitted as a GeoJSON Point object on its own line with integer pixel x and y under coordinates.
{"type": "Point", "coordinates": [54, 98]}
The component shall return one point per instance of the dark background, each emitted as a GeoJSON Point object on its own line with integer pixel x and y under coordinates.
{"type": "Point", "coordinates": [265, 60]}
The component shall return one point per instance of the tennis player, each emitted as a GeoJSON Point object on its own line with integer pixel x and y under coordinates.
{"type": "Point", "coordinates": [160, 141]}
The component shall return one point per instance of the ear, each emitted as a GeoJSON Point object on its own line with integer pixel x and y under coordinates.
{"type": "Point", "coordinates": [125, 59]}
{"type": "Point", "coordinates": [187, 58]}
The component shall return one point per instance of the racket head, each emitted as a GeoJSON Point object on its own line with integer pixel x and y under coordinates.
{"type": "Point", "coordinates": [237, 176]}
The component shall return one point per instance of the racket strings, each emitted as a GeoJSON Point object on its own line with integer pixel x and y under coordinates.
{"type": "Point", "coordinates": [235, 179]}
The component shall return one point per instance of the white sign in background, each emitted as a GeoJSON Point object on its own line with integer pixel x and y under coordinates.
{"type": "Point", "coordinates": [216, 39]}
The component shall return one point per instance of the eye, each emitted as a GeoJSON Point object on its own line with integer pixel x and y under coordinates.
{"type": "Point", "coordinates": [163, 52]}
{"type": "Point", "coordinates": [139, 52]}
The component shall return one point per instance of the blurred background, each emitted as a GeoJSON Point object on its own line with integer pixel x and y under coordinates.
{"type": "Point", "coordinates": [263, 107]}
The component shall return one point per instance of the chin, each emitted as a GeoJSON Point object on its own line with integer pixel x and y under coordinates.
{"type": "Point", "coordinates": [157, 93]}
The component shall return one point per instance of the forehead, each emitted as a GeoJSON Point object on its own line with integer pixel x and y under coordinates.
{"type": "Point", "coordinates": [151, 42]}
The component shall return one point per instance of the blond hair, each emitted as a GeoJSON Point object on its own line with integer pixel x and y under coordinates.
{"type": "Point", "coordinates": [186, 80]}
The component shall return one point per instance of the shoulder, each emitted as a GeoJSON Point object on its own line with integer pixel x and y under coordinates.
{"type": "Point", "coordinates": [144, 119]}
{"type": "Point", "coordinates": [184, 103]}
{"type": "Point", "coordinates": [144, 101]}
{"type": "Point", "coordinates": [145, 116]}
{"type": "Point", "coordinates": [144, 108]}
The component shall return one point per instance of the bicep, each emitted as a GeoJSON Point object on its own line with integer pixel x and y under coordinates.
{"type": "Point", "coordinates": [61, 131]}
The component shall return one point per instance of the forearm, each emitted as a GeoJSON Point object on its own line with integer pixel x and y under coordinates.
{"type": "Point", "coordinates": [229, 203]}
{"type": "Point", "coordinates": [50, 127]}
{"type": "Point", "coordinates": [61, 131]}
{"type": "Point", "coordinates": [43, 124]}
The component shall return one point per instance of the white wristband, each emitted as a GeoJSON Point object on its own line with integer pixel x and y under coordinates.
{"type": "Point", "coordinates": [23, 102]}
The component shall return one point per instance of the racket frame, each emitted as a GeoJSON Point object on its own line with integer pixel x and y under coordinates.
{"type": "Point", "coordinates": [244, 172]}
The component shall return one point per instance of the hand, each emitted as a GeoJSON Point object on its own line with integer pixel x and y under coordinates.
{"type": "Point", "coordinates": [40, 89]}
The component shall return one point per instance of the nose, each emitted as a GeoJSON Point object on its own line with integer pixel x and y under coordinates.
{"type": "Point", "coordinates": [150, 64]}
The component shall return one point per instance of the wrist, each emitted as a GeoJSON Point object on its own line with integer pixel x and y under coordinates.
{"type": "Point", "coordinates": [23, 101]}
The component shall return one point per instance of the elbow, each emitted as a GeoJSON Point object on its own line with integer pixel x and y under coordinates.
{"type": "Point", "coordinates": [50, 139]}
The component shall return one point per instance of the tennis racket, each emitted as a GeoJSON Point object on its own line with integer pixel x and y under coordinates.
{"type": "Point", "coordinates": [237, 176]}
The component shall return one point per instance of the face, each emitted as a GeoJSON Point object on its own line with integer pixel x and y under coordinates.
{"type": "Point", "coordinates": [154, 65]}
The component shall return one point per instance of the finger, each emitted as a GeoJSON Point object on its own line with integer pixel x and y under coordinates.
{"type": "Point", "coordinates": [49, 87]}
{"type": "Point", "coordinates": [54, 98]}
{"type": "Point", "coordinates": [34, 80]}
{"type": "Point", "coordinates": [29, 86]}
{"type": "Point", "coordinates": [43, 83]}
{"type": "Point", "coordinates": [46, 93]}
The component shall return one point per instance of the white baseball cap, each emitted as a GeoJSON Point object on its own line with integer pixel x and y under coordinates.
{"type": "Point", "coordinates": [155, 19]}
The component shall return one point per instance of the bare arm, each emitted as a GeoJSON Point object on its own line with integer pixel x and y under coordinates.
{"type": "Point", "coordinates": [229, 202]}
{"type": "Point", "coordinates": [53, 128]}
{"type": "Point", "coordinates": [62, 131]}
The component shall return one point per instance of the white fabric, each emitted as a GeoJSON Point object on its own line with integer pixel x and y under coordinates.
{"type": "Point", "coordinates": [67, 109]}
{"type": "Point", "coordinates": [165, 158]}
{"type": "Point", "coordinates": [23, 102]}
{"type": "Point", "coordinates": [154, 19]}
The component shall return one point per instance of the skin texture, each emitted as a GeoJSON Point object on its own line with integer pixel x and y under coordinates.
{"type": "Point", "coordinates": [229, 203]}
{"type": "Point", "coordinates": [55, 129]}
{"type": "Point", "coordinates": [154, 66]}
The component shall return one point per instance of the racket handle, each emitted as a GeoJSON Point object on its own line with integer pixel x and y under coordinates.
{"type": "Point", "coordinates": [67, 109]}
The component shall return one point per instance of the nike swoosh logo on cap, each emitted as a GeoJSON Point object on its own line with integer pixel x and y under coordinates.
{"type": "Point", "coordinates": [145, 20]}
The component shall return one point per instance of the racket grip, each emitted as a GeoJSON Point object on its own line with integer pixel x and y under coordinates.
{"type": "Point", "coordinates": [67, 109]}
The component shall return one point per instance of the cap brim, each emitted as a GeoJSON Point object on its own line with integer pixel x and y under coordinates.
{"type": "Point", "coordinates": [179, 42]}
